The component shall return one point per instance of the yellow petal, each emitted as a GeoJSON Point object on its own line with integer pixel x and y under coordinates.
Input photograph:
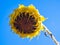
{"type": "Point", "coordinates": [42, 18]}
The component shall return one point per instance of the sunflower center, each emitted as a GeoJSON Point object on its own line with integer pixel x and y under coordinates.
{"type": "Point", "coordinates": [25, 23]}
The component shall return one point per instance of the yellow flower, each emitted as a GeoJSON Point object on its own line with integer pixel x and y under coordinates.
{"type": "Point", "coordinates": [26, 21]}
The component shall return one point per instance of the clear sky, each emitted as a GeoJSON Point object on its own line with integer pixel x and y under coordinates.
{"type": "Point", "coordinates": [48, 8]}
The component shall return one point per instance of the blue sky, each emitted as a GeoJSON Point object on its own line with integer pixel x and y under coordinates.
{"type": "Point", "coordinates": [48, 8]}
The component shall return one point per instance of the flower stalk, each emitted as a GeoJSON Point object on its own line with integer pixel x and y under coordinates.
{"type": "Point", "coordinates": [51, 35]}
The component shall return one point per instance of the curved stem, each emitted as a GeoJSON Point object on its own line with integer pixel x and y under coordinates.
{"type": "Point", "coordinates": [51, 35]}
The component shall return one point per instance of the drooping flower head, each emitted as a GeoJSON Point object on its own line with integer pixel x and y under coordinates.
{"type": "Point", "coordinates": [26, 21]}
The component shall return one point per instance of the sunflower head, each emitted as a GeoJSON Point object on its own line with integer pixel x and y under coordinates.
{"type": "Point", "coordinates": [26, 21]}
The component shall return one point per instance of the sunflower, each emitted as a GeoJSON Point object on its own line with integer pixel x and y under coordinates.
{"type": "Point", "coordinates": [26, 21]}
